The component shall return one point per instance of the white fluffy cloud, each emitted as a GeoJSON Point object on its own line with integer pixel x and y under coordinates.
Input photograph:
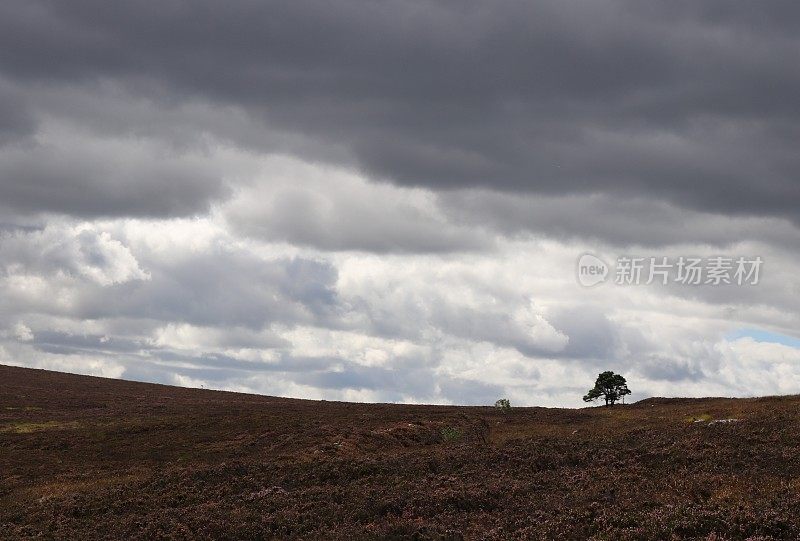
{"type": "Point", "coordinates": [191, 302]}
{"type": "Point", "coordinates": [79, 252]}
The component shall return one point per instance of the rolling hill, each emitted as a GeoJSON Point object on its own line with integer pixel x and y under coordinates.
{"type": "Point", "coordinates": [91, 458]}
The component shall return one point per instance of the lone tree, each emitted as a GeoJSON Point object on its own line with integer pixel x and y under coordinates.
{"type": "Point", "coordinates": [610, 386]}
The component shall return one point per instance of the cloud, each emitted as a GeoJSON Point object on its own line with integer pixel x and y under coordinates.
{"type": "Point", "coordinates": [392, 210]}
{"type": "Point", "coordinates": [333, 209]}
{"type": "Point", "coordinates": [69, 344]}
{"type": "Point", "coordinates": [17, 121]}
{"type": "Point", "coordinates": [182, 301]}
{"type": "Point", "coordinates": [610, 220]}
{"type": "Point", "coordinates": [97, 276]}
{"type": "Point", "coordinates": [22, 332]}
{"type": "Point", "coordinates": [221, 288]}
{"type": "Point", "coordinates": [83, 175]}
{"type": "Point", "coordinates": [78, 251]}
{"type": "Point", "coordinates": [553, 98]}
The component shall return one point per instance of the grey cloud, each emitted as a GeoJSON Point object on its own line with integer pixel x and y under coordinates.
{"type": "Point", "coordinates": [222, 289]}
{"type": "Point", "coordinates": [17, 121]}
{"type": "Point", "coordinates": [168, 374]}
{"type": "Point", "coordinates": [372, 378]}
{"type": "Point", "coordinates": [330, 375]}
{"type": "Point", "coordinates": [616, 221]}
{"type": "Point", "coordinates": [404, 378]}
{"type": "Point", "coordinates": [772, 302]}
{"type": "Point", "coordinates": [239, 338]}
{"type": "Point", "coordinates": [6, 228]}
{"type": "Point", "coordinates": [100, 178]}
{"type": "Point", "coordinates": [150, 373]}
{"type": "Point", "coordinates": [335, 211]}
{"type": "Point", "coordinates": [629, 123]}
{"type": "Point", "coordinates": [470, 392]}
{"type": "Point", "coordinates": [221, 362]}
{"type": "Point", "coordinates": [53, 252]}
{"type": "Point", "coordinates": [223, 286]}
{"type": "Point", "coordinates": [673, 370]}
{"type": "Point", "coordinates": [65, 343]}
{"type": "Point", "coordinates": [419, 314]}
{"type": "Point", "coordinates": [297, 219]}
{"type": "Point", "coordinates": [112, 110]}
{"type": "Point", "coordinates": [591, 334]}
{"type": "Point", "coordinates": [533, 338]}
{"type": "Point", "coordinates": [695, 105]}
{"type": "Point", "coordinates": [400, 380]}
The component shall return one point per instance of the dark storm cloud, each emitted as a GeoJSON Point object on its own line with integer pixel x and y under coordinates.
{"type": "Point", "coordinates": [693, 104]}
{"type": "Point", "coordinates": [16, 119]}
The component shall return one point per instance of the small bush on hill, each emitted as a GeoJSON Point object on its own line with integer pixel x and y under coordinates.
{"type": "Point", "coordinates": [503, 405]}
{"type": "Point", "coordinates": [450, 433]}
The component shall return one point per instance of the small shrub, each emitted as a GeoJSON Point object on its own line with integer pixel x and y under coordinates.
{"type": "Point", "coordinates": [450, 433]}
{"type": "Point", "coordinates": [704, 418]}
{"type": "Point", "coordinates": [504, 405]}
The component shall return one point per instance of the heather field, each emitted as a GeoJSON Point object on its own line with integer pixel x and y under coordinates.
{"type": "Point", "coordinates": [91, 458]}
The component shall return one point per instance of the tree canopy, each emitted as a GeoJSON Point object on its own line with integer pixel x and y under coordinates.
{"type": "Point", "coordinates": [610, 386]}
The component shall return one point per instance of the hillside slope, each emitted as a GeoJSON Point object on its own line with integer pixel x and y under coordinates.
{"type": "Point", "coordinates": [86, 458]}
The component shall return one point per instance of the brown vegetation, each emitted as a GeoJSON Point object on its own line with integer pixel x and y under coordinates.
{"type": "Point", "coordinates": [84, 458]}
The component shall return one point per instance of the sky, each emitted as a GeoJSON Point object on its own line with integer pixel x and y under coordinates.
{"type": "Point", "coordinates": [386, 201]}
